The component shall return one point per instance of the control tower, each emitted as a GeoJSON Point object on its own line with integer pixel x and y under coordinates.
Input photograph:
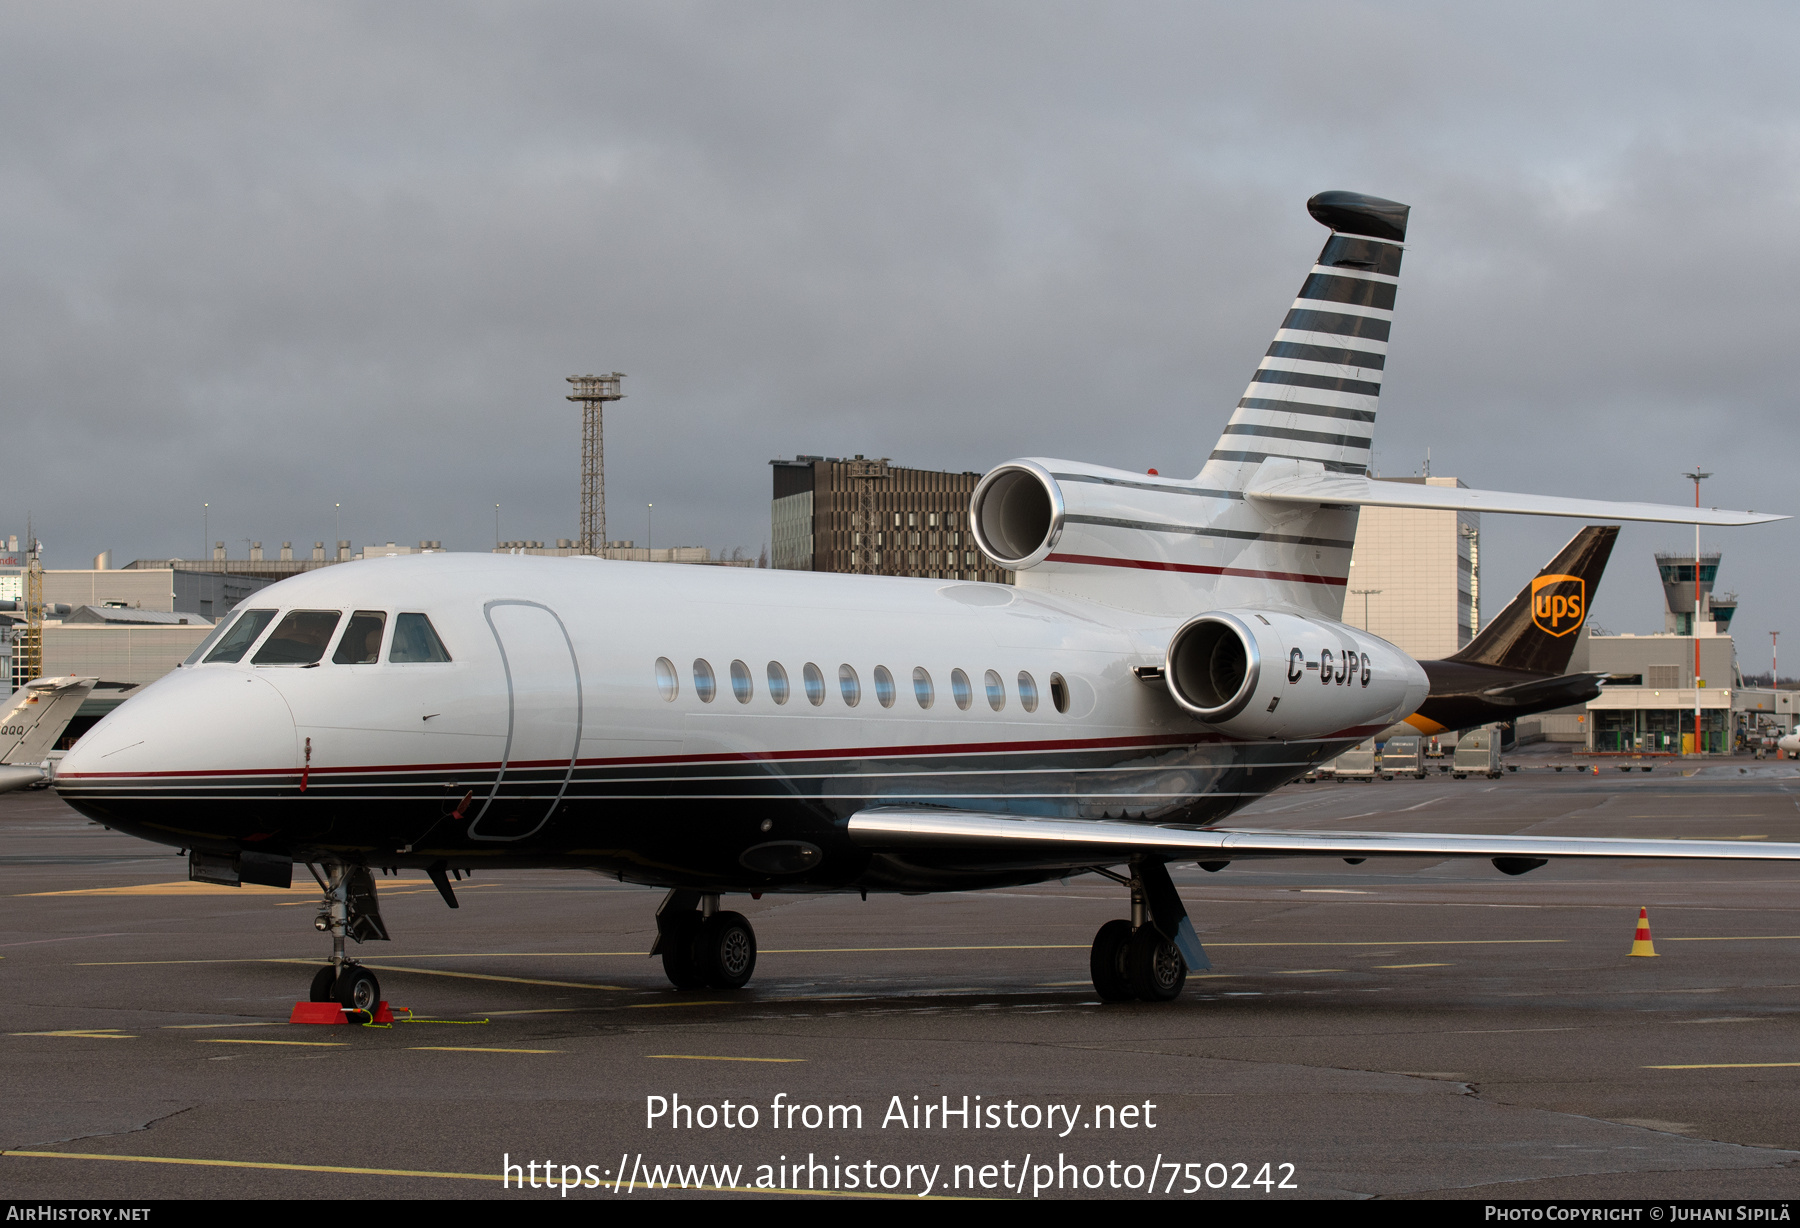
{"type": "Point", "coordinates": [1678, 592]}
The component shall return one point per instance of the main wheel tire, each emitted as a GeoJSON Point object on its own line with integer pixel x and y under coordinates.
{"type": "Point", "coordinates": [322, 982]}
{"type": "Point", "coordinates": [1155, 967]}
{"type": "Point", "coordinates": [356, 989]}
{"type": "Point", "coordinates": [1106, 962]}
{"type": "Point", "coordinates": [724, 950]}
{"type": "Point", "coordinates": [678, 953]}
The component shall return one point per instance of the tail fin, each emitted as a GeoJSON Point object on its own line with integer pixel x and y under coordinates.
{"type": "Point", "coordinates": [36, 714]}
{"type": "Point", "coordinates": [1314, 396]}
{"type": "Point", "coordinates": [1538, 628]}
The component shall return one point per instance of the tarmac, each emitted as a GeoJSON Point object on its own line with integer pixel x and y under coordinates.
{"type": "Point", "coordinates": [1401, 1029]}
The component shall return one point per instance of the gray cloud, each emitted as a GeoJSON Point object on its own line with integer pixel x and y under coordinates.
{"type": "Point", "coordinates": [279, 258]}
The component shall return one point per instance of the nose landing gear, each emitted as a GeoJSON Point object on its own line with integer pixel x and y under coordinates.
{"type": "Point", "coordinates": [700, 945]}
{"type": "Point", "coordinates": [350, 909]}
{"type": "Point", "coordinates": [1147, 957]}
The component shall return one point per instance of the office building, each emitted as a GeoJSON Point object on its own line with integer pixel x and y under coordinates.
{"type": "Point", "coordinates": [853, 514]}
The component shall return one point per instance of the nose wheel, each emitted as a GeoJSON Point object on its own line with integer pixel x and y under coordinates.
{"type": "Point", "coordinates": [349, 910]}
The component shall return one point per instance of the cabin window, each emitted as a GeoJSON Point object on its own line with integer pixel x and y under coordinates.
{"type": "Point", "coordinates": [298, 639]}
{"type": "Point", "coordinates": [415, 641]}
{"type": "Point", "coordinates": [960, 690]}
{"type": "Point", "coordinates": [1059, 692]}
{"type": "Point", "coordinates": [668, 682]}
{"type": "Point", "coordinates": [922, 688]}
{"type": "Point", "coordinates": [740, 682]}
{"type": "Point", "coordinates": [1027, 692]}
{"type": "Point", "coordinates": [243, 633]}
{"type": "Point", "coordinates": [361, 642]}
{"type": "Point", "coordinates": [884, 687]}
{"type": "Point", "coordinates": [813, 679]}
{"type": "Point", "coordinates": [704, 685]}
{"type": "Point", "coordinates": [996, 690]}
{"type": "Point", "coordinates": [778, 683]}
{"type": "Point", "coordinates": [849, 685]}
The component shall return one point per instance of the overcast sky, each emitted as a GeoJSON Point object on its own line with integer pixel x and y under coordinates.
{"type": "Point", "coordinates": [280, 257]}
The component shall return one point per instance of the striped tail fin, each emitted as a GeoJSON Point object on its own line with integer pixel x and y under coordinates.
{"type": "Point", "coordinates": [1314, 396]}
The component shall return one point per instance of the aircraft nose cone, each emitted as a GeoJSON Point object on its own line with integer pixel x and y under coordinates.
{"type": "Point", "coordinates": [212, 721]}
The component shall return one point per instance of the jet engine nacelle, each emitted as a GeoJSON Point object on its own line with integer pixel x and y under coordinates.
{"type": "Point", "coordinates": [1267, 674]}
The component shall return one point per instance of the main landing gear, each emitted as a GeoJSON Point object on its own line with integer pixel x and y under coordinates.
{"type": "Point", "coordinates": [1147, 957]}
{"type": "Point", "coordinates": [701, 946]}
{"type": "Point", "coordinates": [350, 909]}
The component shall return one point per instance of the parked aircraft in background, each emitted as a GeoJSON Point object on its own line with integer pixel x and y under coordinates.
{"type": "Point", "coordinates": [32, 720]}
{"type": "Point", "coordinates": [1514, 667]}
{"type": "Point", "coordinates": [1172, 651]}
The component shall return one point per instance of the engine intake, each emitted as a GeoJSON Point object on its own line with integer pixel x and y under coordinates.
{"type": "Point", "coordinates": [1271, 674]}
{"type": "Point", "coordinates": [1214, 665]}
{"type": "Point", "coordinates": [1018, 513]}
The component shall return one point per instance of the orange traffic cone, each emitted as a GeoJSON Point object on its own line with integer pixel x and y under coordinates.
{"type": "Point", "coordinates": [1640, 943]}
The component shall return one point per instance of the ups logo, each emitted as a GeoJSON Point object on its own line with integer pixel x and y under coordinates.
{"type": "Point", "coordinates": [1558, 604]}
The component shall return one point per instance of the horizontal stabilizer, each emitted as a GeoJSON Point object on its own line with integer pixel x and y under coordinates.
{"type": "Point", "coordinates": [19, 777]}
{"type": "Point", "coordinates": [1291, 482]}
{"type": "Point", "coordinates": [1546, 688]}
{"type": "Point", "coordinates": [1079, 841]}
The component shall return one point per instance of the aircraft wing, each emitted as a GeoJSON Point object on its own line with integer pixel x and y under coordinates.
{"type": "Point", "coordinates": [1073, 841]}
{"type": "Point", "coordinates": [1292, 482]}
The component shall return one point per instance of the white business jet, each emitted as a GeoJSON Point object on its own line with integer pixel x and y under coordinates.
{"type": "Point", "coordinates": [1172, 651]}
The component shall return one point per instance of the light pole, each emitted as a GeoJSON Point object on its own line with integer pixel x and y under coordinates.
{"type": "Point", "coordinates": [205, 530]}
{"type": "Point", "coordinates": [1694, 625]}
{"type": "Point", "coordinates": [1774, 660]}
{"type": "Point", "coordinates": [1365, 594]}
{"type": "Point", "coordinates": [496, 526]}
{"type": "Point", "coordinates": [649, 513]}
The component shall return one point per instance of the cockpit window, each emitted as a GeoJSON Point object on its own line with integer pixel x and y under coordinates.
{"type": "Point", "coordinates": [361, 642]}
{"type": "Point", "coordinates": [414, 640]}
{"type": "Point", "coordinates": [243, 633]}
{"type": "Point", "coordinates": [298, 639]}
{"type": "Point", "coordinates": [205, 646]}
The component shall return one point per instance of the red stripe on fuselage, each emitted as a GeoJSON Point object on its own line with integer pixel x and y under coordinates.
{"type": "Point", "coordinates": [1095, 560]}
{"type": "Point", "coordinates": [861, 752]}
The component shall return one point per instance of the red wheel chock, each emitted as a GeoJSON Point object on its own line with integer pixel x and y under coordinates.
{"type": "Point", "coordinates": [331, 1012]}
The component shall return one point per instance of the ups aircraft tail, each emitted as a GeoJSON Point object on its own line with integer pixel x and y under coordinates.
{"type": "Point", "coordinates": [1537, 630]}
{"type": "Point", "coordinates": [1515, 667]}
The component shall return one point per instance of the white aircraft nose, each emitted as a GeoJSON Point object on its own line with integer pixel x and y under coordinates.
{"type": "Point", "coordinates": [207, 720]}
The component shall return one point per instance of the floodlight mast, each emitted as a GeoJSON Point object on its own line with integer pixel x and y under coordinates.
{"type": "Point", "coordinates": [593, 391]}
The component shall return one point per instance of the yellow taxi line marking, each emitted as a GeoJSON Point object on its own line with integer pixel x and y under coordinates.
{"type": "Point", "coordinates": [1414, 965]}
{"type": "Point", "coordinates": [651, 1005]}
{"type": "Point", "coordinates": [1306, 971]}
{"type": "Point", "coordinates": [1726, 1066]}
{"type": "Point", "coordinates": [542, 1010]}
{"type": "Point", "coordinates": [88, 1033]}
{"type": "Point", "coordinates": [176, 1026]}
{"type": "Point", "coordinates": [236, 1040]}
{"type": "Point", "coordinates": [410, 1172]}
{"type": "Point", "coordinates": [1072, 946]}
{"type": "Point", "coordinates": [292, 1168]}
{"type": "Point", "coordinates": [472, 1049]}
{"type": "Point", "coordinates": [1741, 938]}
{"type": "Point", "coordinates": [699, 1057]}
{"type": "Point", "coordinates": [483, 976]}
